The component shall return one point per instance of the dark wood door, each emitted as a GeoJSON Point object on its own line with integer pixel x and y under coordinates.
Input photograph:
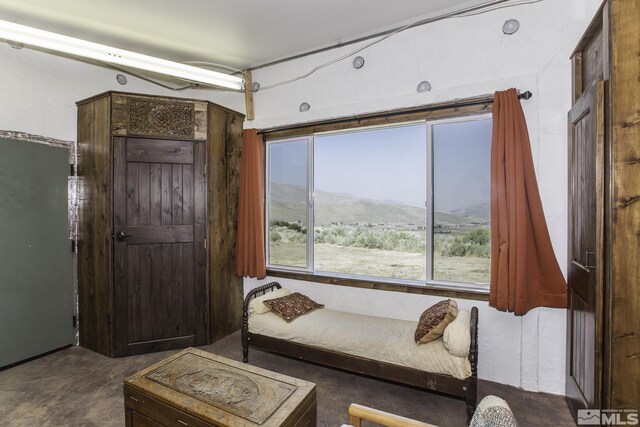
{"type": "Point", "coordinates": [159, 244]}
{"type": "Point", "coordinates": [585, 275]}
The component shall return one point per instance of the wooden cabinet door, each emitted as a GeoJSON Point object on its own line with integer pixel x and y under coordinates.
{"type": "Point", "coordinates": [585, 275]}
{"type": "Point", "coordinates": [159, 244]}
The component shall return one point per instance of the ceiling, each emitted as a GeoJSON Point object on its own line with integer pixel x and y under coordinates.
{"type": "Point", "coordinates": [236, 33]}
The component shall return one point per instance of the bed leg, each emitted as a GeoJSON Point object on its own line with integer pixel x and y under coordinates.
{"type": "Point", "coordinates": [245, 335]}
{"type": "Point", "coordinates": [471, 398]}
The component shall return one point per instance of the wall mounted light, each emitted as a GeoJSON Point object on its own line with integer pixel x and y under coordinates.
{"type": "Point", "coordinates": [423, 86]}
{"type": "Point", "coordinates": [122, 79]}
{"type": "Point", "coordinates": [358, 62]}
{"type": "Point", "coordinates": [304, 107]}
{"type": "Point", "coordinates": [510, 26]}
{"type": "Point", "coordinates": [85, 49]}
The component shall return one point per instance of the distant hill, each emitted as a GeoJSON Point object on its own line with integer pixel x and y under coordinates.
{"type": "Point", "coordinates": [288, 203]}
{"type": "Point", "coordinates": [477, 211]}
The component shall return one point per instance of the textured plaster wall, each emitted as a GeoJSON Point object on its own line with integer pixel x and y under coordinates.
{"type": "Point", "coordinates": [460, 57]}
{"type": "Point", "coordinates": [38, 91]}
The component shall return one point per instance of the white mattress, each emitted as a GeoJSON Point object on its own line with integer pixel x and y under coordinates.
{"type": "Point", "coordinates": [377, 338]}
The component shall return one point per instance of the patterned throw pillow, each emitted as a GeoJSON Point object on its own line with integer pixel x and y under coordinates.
{"type": "Point", "coordinates": [256, 305]}
{"type": "Point", "coordinates": [290, 307]}
{"type": "Point", "coordinates": [434, 320]}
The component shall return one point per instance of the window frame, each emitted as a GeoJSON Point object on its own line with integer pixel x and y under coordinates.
{"type": "Point", "coordinates": [430, 212]}
{"type": "Point", "coordinates": [448, 112]}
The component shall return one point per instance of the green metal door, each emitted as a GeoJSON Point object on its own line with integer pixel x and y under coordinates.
{"type": "Point", "coordinates": [36, 286]}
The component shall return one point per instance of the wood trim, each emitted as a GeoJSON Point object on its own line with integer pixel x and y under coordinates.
{"type": "Point", "coordinates": [358, 413]}
{"type": "Point", "coordinates": [199, 236]}
{"type": "Point", "coordinates": [594, 26]}
{"type": "Point", "coordinates": [576, 72]}
{"type": "Point", "coordinates": [248, 94]}
{"type": "Point", "coordinates": [120, 311]}
{"type": "Point", "coordinates": [459, 108]}
{"type": "Point", "coordinates": [447, 109]}
{"type": "Point", "coordinates": [224, 142]}
{"type": "Point", "coordinates": [383, 286]}
{"type": "Point", "coordinates": [624, 251]}
{"type": "Point", "coordinates": [153, 346]}
{"type": "Point", "coordinates": [146, 95]}
{"type": "Point", "coordinates": [95, 227]}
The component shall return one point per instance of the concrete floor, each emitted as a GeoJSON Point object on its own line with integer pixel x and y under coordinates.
{"type": "Point", "coordinates": [77, 387]}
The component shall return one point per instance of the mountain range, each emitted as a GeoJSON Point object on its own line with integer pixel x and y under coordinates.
{"type": "Point", "coordinates": [288, 203]}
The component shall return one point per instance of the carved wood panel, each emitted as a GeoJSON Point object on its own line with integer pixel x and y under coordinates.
{"type": "Point", "coordinates": [158, 117]}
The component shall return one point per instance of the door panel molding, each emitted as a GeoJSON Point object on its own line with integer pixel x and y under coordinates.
{"type": "Point", "coordinates": [159, 233]}
{"type": "Point", "coordinates": [585, 249]}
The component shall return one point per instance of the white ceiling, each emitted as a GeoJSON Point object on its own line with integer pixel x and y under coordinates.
{"type": "Point", "coordinates": [237, 33]}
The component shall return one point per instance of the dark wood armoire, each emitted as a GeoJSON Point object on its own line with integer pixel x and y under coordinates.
{"type": "Point", "coordinates": [158, 195]}
{"type": "Point", "coordinates": [603, 323]}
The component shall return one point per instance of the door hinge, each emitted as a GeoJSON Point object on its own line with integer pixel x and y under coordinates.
{"type": "Point", "coordinates": [73, 246]}
{"type": "Point", "coordinates": [72, 169]}
{"type": "Point", "coordinates": [205, 244]}
{"type": "Point", "coordinates": [75, 321]}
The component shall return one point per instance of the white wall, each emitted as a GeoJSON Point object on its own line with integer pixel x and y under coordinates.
{"type": "Point", "coordinates": [38, 91]}
{"type": "Point", "coordinates": [461, 57]}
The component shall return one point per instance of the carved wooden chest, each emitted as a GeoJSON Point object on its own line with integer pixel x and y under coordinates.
{"type": "Point", "coordinates": [196, 388]}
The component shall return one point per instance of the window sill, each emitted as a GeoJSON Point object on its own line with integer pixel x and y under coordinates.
{"type": "Point", "coordinates": [427, 289]}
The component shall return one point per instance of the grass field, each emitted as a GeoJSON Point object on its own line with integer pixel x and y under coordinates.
{"type": "Point", "coordinates": [381, 263]}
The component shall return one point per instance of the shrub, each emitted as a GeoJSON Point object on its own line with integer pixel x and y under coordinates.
{"type": "Point", "coordinates": [473, 243]}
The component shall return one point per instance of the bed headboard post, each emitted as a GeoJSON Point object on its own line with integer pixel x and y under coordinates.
{"type": "Point", "coordinates": [244, 333]}
{"type": "Point", "coordinates": [245, 315]}
{"type": "Point", "coordinates": [472, 381]}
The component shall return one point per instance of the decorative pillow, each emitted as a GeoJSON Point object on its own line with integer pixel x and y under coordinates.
{"type": "Point", "coordinates": [493, 411]}
{"type": "Point", "coordinates": [292, 306]}
{"type": "Point", "coordinates": [457, 334]}
{"type": "Point", "coordinates": [434, 319]}
{"type": "Point", "coordinates": [257, 306]}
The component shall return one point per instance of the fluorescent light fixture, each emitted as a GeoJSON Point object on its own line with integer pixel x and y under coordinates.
{"type": "Point", "coordinates": [56, 42]}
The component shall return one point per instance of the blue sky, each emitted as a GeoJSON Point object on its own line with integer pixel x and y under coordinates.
{"type": "Point", "coordinates": [461, 167]}
{"type": "Point", "coordinates": [390, 163]}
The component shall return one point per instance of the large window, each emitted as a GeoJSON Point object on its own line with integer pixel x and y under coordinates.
{"type": "Point", "coordinates": [408, 202]}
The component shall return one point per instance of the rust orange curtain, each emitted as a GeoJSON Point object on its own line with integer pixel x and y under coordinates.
{"type": "Point", "coordinates": [524, 270]}
{"type": "Point", "coordinates": [250, 257]}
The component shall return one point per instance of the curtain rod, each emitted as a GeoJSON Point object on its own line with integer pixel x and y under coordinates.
{"type": "Point", "coordinates": [476, 100]}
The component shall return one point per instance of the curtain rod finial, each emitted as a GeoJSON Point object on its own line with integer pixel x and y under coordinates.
{"type": "Point", "coordinates": [526, 95]}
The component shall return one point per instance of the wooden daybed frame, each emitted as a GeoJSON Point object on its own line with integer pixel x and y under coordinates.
{"type": "Point", "coordinates": [466, 389]}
